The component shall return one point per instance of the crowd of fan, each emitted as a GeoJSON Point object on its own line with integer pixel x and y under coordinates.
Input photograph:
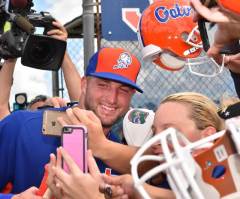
{"type": "Point", "coordinates": [104, 96]}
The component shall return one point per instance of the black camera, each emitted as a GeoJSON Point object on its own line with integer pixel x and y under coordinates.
{"type": "Point", "coordinates": [19, 37]}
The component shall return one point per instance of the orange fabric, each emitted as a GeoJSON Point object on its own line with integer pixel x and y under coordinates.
{"type": "Point", "coordinates": [8, 188]}
{"type": "Point", "coordinates": [232, 5]}
{"type": "Point", "coordinates": [43, 186]}
{"type": "Point", "coordinates": [42, 189]}
{"type": "Point", "coordinates": [108, 63]}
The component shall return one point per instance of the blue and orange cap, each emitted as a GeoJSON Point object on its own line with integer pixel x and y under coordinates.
{"type": "Point", "coordinates": [115, 64]}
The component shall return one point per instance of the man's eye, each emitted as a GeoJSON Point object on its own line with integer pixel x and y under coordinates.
{"type": "Point", "coordinates": [125, 90]}
{"type": "Point", "coordinates": [102, 85]}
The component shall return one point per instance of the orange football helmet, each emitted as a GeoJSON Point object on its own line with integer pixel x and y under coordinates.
{"type": "Point", "coordinates": [231, 5]}
{"type": "Point", "coordinates": [168, 34]}
{"type": "Point", "coordinates": [208, 168]}
{"type": "Point", "coordinates": [169, 37]}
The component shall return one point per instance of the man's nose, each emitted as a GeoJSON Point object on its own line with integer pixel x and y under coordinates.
{"type": "Point", "coordinates": [112, 96]}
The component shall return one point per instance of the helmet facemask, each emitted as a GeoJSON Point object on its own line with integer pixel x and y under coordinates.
{"type": "Point", "coordinates": [177, 162]}
{"type": "Point", "coordinates": [202, 65]}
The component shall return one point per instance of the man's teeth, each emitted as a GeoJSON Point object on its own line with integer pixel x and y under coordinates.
{"type": "Point", "coordinates": [108, 108]}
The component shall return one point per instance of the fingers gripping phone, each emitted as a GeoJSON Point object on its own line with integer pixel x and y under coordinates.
{"type": "Point", "coordinates": [207, 31]}
{"type": "Point", "coordinates": [74, 141]}
{"type": "Point", "coordinates": [50, 124]}
{"type": "Point", "coordinates": [209, 3]}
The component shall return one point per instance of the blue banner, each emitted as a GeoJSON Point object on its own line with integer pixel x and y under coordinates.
{"type": "Point", "coordinates": [120, 18]}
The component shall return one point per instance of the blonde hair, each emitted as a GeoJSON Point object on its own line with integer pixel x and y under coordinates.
{"type": "Point", "coordinates": [204, 110]}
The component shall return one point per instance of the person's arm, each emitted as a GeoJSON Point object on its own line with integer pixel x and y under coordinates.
{"type": "Point", "coordinates": [28, 194]}
{"type": "Point", "coordinates": [228, 28]}
{"type": "Point", "coordinates": [71, 75]}
{"type": "Point", "coordinates": [126, 184]}
{"type": "Point", "coordinates": [115, 155]}
{"type": "Point", "coordinates": [159, 193]}
{"type": "Point", "coordinates": [6, 80]}
{"type": "Point", "coordinates": [232, 62]}
{"type": "Point", "coordinates": [72, 78]}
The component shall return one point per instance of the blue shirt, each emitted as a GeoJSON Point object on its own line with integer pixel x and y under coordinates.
{"type": "Point", "coordinates": [6, 196]}
{"type": "Point", "coordinates": [24, 150]}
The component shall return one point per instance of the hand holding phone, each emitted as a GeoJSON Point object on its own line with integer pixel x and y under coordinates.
{"type": "Point", "coordinates": [74, 141]}
{"type": "Point", "coordinates": [209, 3]}
{"type": "Point", "coordinates": [207, 31]}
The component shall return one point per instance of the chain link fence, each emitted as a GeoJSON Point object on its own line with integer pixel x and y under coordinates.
{"type": "Point", "coordinates": [157, 83]}
{"type": "Point", "coordinates": [75, 50]}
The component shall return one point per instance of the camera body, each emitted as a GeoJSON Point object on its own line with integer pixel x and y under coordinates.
{"type": "Point", "coordinates": [42, 19]}
{"type": "Point", "coordinates": [19, 38]}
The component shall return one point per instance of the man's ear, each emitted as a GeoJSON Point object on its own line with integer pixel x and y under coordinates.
{"type": "Point", "coordinates": [208, 131]}
{"type": "Point", "coordinates": [84, 84]}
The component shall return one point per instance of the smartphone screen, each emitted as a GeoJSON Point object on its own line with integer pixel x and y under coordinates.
{"type": "Point", "coordinates": [207, 32]}
{"type": "Point", "coordinates": [74, 141]}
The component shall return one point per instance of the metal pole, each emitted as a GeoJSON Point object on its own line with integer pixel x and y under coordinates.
{"type": "Point", "coordinates": [88, 30]}
{"type": "Point", "coordinates": [55, 83]}
{"type": "Point", "coordinates": [98, 25]}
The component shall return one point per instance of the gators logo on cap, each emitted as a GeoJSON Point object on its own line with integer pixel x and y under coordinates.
{"type": "Point", "coordinates": [137, 116]}
{"type": "Point", "coordinates": [123, 61]}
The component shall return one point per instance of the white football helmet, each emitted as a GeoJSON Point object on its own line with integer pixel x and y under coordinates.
{"type": "Point", "coordinates": [137, 126]}
{"type": "Point", "coordinates": [208, 168]}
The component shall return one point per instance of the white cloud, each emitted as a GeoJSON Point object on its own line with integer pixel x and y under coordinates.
{"type": "Point", "coordinates": [30, 81]}
{"type": "Point", "coordinates": [64, 10]}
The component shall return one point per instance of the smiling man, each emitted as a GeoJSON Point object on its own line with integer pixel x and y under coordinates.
{"type": "Point", "coordinates": [107, 89]}
{"type": "Point", "coordinates": [110, 83]}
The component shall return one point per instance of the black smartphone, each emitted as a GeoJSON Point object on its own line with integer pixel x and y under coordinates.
{"type": "Point", "coordinates": [209, 3]}
{"type": "Point", "coordinates": [207, 31]}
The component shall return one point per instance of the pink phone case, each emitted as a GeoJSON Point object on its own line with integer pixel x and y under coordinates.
{"type": "Point", "coordinates": [74, 141]}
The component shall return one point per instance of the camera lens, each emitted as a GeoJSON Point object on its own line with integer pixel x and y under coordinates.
{"type": "Point", "coordinates": [41, 52]}
{"type": "Point", "coordinates": [67, 129]}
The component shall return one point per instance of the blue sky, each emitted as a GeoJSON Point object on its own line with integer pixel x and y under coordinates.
{"type": "Point", "coordinates": [33, 81]}
{"type": "Point", "coordinates": [41, 5]}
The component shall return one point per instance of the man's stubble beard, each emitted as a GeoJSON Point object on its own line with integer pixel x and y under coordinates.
{"type": "Point", "coordinates": [87, 106]}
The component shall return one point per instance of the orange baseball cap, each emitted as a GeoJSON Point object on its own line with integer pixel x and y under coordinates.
{"type": "Point", "coordinates": [115, 64]}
